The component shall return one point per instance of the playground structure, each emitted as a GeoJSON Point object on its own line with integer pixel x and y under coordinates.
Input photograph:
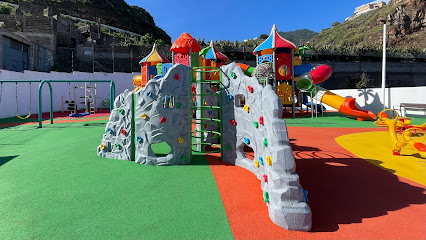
{"type": "Point", "coordinates": [400, 126]}
{"type": "Point", "coordinates": [40, 96]}
{"type": "Point", "coordinates": [90, 100]}
{"type": "Point", "coordinates": [233, 112]}
{"type": "Point", "coordinates": [277, 64]}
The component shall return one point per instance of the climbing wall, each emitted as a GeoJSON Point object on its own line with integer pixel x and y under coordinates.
{"type": "Point", "coordinates": [162, 115]}
{"type": "Point", "coordinates": [252, 117]}
{"type": "Point", "coordinates": [117, 140]}
{"type": "Point", "coordinates": [159, 113]}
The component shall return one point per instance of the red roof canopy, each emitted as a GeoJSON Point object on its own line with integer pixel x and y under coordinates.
{"type": "Point", "coordinates": [184, 43]}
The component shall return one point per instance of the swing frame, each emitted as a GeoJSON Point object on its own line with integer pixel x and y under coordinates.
{"type": "Point", "coordinates": [40, 97]}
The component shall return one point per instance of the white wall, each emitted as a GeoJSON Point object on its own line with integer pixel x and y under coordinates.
{"type": "Point", "coordinates": [8, 97]}
{"type": "Point", "coordinates": [372, 99]}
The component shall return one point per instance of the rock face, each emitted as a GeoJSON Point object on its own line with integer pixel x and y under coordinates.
{"type": "Point", "coordinates": [408, 18]}
{"type": "Point", "coordinates": [252, 117]}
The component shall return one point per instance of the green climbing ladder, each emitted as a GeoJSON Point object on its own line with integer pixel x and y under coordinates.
{"type": "Point", "coordinates": [206, 100]}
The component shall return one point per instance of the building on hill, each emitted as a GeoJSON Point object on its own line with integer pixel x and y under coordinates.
{"type": "Point", "coordinates": [18, 53]}
{"type": "Point", "coordinates": [366, 8]}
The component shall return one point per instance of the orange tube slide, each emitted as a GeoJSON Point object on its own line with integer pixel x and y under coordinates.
{"type": "Point", "coordinates": [346, 106]}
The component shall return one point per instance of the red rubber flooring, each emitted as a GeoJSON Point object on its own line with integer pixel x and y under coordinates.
{"type": "Point", "coordinates": [349, 197]}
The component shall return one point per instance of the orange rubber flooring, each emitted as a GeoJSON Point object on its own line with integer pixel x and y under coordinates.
{"type": "Point", "coordinates": [349, 197]}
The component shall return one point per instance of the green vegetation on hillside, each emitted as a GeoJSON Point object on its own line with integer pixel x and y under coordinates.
{"type": "Point", "coordinates": [115, 13]}
{"type": "Point", "coordinates": [364, 34]}
{"type": "Point", "coordinates": [299, 37]}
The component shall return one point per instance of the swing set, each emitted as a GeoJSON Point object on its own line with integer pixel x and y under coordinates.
{"type": "Point", "coordinates": [40, 87]}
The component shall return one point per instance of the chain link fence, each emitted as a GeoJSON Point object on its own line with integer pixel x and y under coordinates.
{"type": "Point", "coordinates": [103, 58]}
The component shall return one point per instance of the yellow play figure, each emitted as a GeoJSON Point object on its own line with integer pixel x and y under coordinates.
{"type": "Point", "coordinates": [401, 125]}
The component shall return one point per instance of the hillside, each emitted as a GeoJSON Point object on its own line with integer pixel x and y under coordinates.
{"type": "Point", "coordinates": [115, 13]}
{"type": "Point", "coordinates": [299, 37]}
{"type": "Point", "coordinates": [406, 24]}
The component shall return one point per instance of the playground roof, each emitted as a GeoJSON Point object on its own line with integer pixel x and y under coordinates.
{"type": "Point", "coordinates": [213, 54]}
{"type": "Point", "coordinates": [154, 56]}
{"type": "Point", "coordinates": [184, 43]}
{"type": "Point", "coordinates": [274, 41]}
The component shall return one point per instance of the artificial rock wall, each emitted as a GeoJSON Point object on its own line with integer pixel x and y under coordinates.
{"type": "Point", "coordinates": [158, 113]}
{"type": "Point", "coordinates": [252, 116]}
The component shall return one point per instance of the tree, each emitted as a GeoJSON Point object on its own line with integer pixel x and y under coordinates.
{"type": "Point", "coordinates": [263, 36]}
{"type": "Point", "coordinates": [335, 24]}
{"type": "Point", "coordinates": [160, 42]}
{"type": "Point", "coordinates": [147, 39]}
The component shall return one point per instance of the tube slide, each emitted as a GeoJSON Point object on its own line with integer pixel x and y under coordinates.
{"type": "Point", "coordinates": [319, 74]}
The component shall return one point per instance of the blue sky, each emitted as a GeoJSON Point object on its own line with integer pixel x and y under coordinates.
{"type": "Point", "coordinates": [239, 20]}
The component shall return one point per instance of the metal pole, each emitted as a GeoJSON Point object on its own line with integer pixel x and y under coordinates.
{"type": "Point", "coordinates": [75, 100]}
{"type": "Point", "coordinates": [384, 64]}
{"type": "Point", "coordinates": [113, 63]}
{"type": "Point", "coordinates": [292, 85]}
{"type": "Point", "coordinates": [274, 69]}
{"type": "Point", "coordinates": [190, 58]}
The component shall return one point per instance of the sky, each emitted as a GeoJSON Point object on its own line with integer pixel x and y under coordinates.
{"type": "Point", "coordinates": [239, 20]}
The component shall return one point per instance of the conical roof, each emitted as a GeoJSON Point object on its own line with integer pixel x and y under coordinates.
{"type": "Point", "coordinates": [213, 54]}
{"type": "Point", "coordinates": [274, 41]}
{"type": "Point", "coordinates": [184, 43]}
{"type": "Point", "coordinates": [154, 56]}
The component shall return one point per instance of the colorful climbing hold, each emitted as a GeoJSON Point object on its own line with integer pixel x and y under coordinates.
{"type": "Point", "coordinates": [176, 77]}
{"type": "Point", "coordinates": [261, 160]}
{"type": "Point", "coordinates": [256, 124]}
{"type": "Point", "coordinates": [256, 163]}
{"type": "Point", "coordinates": [250, 89]}
{"type": "Point", "coordinates": [247, 108]}
{"type": "Point", "coordinates": [228, 147]}
{"type": "Point", "coordinates": [269, 160]}
{"type": "Point", "coordinates": [210, 112]}
{"type": "Point", "coordinates": [247, 141]}
{"type": "Point", "coordinates": [229, 96]}
{"type": "Point", "coordinates": [233, 122]}
{"type": "Point", "coordinates": [144, 116]}
{"type": "Point", "coordinates": [117, 146]}
{"type": "Point", "coordinates": [205, 125]}
{"type": "Point", "coordinates": [121, 111]}
{"type": "Point", "coordinates": [184, 157]}
{"type": "Point", "coordinates": [205, 103]}
{"type": "Point", "coordinates": [109, 130]}
{"type": "Point", "coordinates": [123, 131]}
{"type": "Point", "coordinates": [180, 140]}
{"type": "Point", "coordinates": [139, 139]}
{"type": "Point", "coordinates": [149, 94]}
{"type": "Point", "coordinates": [261, 120]}
{"type": "Point", "coordinates": [163, 119]}
{"type": "Point", "coordinates": [266, 197]}
{"type": "Point", "coordinates": [265, 178]}
{"type": "Point", "coordinates": [265, 142]}
{"type": "Point", "coordinates": [179, 105]}
{"type": "Point", "coordinates": [102, 147]}
{"type": "Point", "coordinates": [233, 75]}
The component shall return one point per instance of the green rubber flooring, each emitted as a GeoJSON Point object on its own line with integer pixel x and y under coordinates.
{"type": "Point", "coordinates": [54, 186]}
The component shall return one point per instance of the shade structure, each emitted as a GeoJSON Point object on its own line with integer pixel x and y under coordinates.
{"type": "Point", "coordinates": [274, 41]}
{"type": "Point", "coordinates": [213, 54]}
{"type": "Point", "coordinates": [184, 43]}
{"type": "Point", "coordinates": [154, 57]}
